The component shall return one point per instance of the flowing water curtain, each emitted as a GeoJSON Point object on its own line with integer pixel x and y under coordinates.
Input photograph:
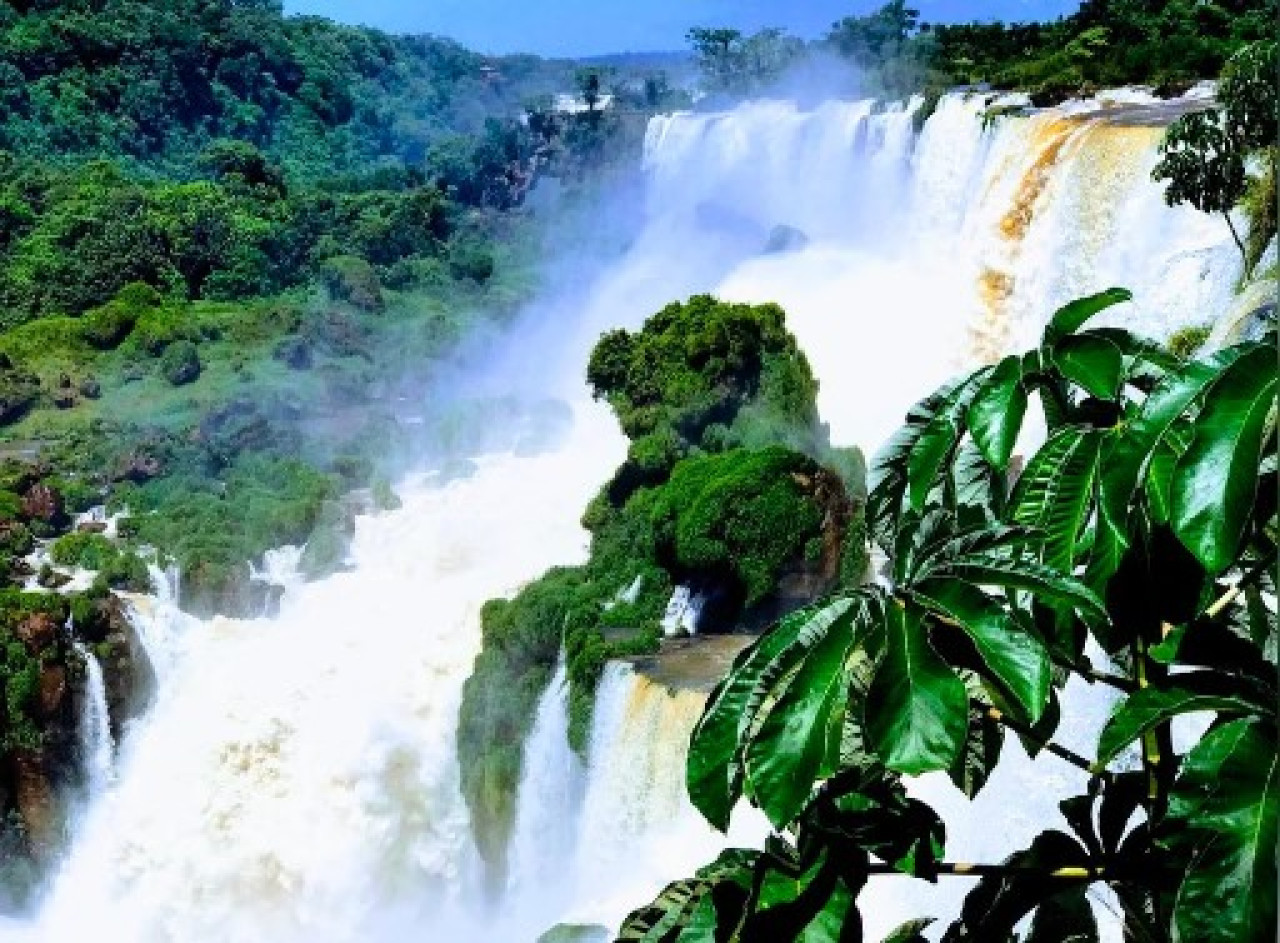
{"type": "Point", "coordinates": [1145, 524]}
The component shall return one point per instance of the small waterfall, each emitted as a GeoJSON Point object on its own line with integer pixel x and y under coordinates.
{"type": "Point", "coordinates": [96, 746]}
{"type": "Point", "coordinates": [546, 810]}
{"type": "Point", "coordinates": [682, 613]}
{"type": "Point", "coordinates": [638, 828]}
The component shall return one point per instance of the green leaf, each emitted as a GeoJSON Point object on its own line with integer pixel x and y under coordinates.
{"type": "Point", "coordinates": [1070, 318]}
{"type": "Point", "coordinates": [1216, 478]}
{"type": "Point", "coordinates": [1225, 804]}
{"type": "Point", "coordinates": [786, 752]}
{"type": "Point", "coordinates": [1092, 363]}
{"type": "Point", "coordinates": [681, 902]}
{"type": "Point", "coordinates": [1048, 584]}
{"type": "Point", "coordinates": [1055, 493]}
{"type": "Point", "coordinates": [983, 741]}
{"type": "Point", "coordinates": [1065, 918]}
{"type": "Point", "coordinates": [937, 442]}
{"type": "Point", "coordinates": [910, 932]}
{"type": "Point", "coordinates": [888, 477]}
{"type": "Point", "coordinates": [871, 810]}
{"type": "Point", "coordinates": [916, 710]}
{"type": "Point", "coordinates": [1017, 660]}
{"type": "Point", "coordinates": [999, 901]}
{"type": "Point", "coordinates": [1147, 708]}
{"type": "Point", "coordinates": [1127, 452]}
{"type": "Point", "coordinates": [995, 416]}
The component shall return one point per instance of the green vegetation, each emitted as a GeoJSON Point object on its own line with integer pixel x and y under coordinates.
{"type": "Point", "coordinates": [1145, 524]}
{"type": "Point", "coordinates": [1168, 44]}
{"type": "Point", "coordinates": [1206, 156]}
{"type": "Point", "coordinates": [707, 498]}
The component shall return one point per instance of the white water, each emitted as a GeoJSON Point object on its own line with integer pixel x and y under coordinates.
{"type": "Point", "coordinates": [97, 749]}
{"type": "Point", "coordinates": [295, 779]}
{"type": "Point", "coordinates": [683, 611]}
{"type": "Point", "coordinates": [546, 819]}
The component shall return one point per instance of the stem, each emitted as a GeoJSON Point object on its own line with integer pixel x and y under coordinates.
{"type": "Point", "coordinates": [1061, 752]}
{"type": "Point", "coordinates": [1244, 253]}
{"type": "Point", "coordinates": [961, 869]}
{"type": "Point", "coordinates": [1119, 682]}
{"type": "Point", "coordinates": [1234, 592]}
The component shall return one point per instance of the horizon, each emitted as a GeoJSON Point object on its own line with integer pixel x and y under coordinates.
{"type": "Point", "coordinates": [492, 28]}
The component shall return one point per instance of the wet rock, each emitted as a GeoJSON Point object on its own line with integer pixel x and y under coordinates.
{"type": "Point", "coordinates": [64, 381]}
{"type": "Point", "coordinates": [51, 579]}
{"type": "Point", "coordinates": [294, 353]}
{"type": "Point", "coordinates": [34, 798]}
{"type": "Point", "coordinates": [37, 631]}
{"type": "Point", "coordinates": [53, 691]}
{"type": "Point", "coordinates": [92, 527]}
{"type": "Point", "coordinates": [65, 399]}
{"type": "Point", "coordinates": [90, 388]}
{"type": "Point", "coordinates": [18, 391]}
{"type": "Point", "coordinates": [44, 503]}
{"type": "Point", "coordinates": [180, 363]}
{"type": "Point", "coordinates": [137, 466]}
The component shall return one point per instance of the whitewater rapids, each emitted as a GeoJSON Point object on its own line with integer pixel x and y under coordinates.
{"type": "Point", "coordinates": [296, 778]}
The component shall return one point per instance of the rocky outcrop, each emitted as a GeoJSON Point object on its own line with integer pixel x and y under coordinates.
{"type": "Point", "coordinates": [44, 504]}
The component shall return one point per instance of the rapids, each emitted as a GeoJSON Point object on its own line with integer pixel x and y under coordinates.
{"type": "Point", "coordinates": [295, 779]}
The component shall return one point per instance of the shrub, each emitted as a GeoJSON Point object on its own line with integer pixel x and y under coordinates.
{"type": "Point", "coordinates": [353, 280]}
{"type": "Point", "coordinates": [180, 363]}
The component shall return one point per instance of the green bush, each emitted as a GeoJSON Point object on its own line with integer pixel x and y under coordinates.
{"type": "Point", "coordinates": [353, 280]}
{"type": "Point", "coordinates": [180, 363]}
{"type": "Point", "coordinates": [86, 550]}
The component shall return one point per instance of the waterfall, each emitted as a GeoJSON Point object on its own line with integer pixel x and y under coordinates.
{"type": "Point", "coordinates": [295, 778]}
{"type": "Point", "coordinates": [546, 810]}
{"type": "Point", "coordinates": [96, 746]}
{"type": "Point", "coordinates": [682, 613]}
{"type": "Point", "coordinates": [638, 829]}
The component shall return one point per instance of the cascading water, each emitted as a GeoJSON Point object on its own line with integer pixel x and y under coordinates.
{"type": "Point", "coordinates": [547, 812]}
{"type": "Point", "coordinates": [96, 746]}
{"type": "Point", "coordinates": [295, 778]}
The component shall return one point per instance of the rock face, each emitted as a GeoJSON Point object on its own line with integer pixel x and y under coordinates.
{"type": "Point", "coordinates": [40, 764]}
{"type": "Point", "coordinates": [44, 504]}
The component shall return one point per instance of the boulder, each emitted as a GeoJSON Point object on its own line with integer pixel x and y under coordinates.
{"type": "Point", "coordinates": [37, 631]}
{"type": "Point", "coordinates": [90, 388]}
{"type": "Point", "coordinates": [137, 466]}
{"type": "Point", "coordinates": [33, 796]}
{"type": "Point", "coordinates": [294, 353]}
{"type": "Point", "coordinates": [53, 691]}
{"type": "Point", "coordinates": [44, 503]}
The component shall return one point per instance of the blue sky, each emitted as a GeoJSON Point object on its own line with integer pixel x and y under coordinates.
{"type": "Point", "coordinates": [586, 27]}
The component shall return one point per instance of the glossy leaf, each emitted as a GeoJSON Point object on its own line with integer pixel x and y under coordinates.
{"type": "Point", "coordinates": [995, 416]}
{"type": "Point", "coordinates": [1226, 803]}
{"type": "Point", "coordinates": [713, 773]}
{"type": "Point", "coordinates": [983, 741]}
{"type": "Point", "coordinates": [1017, 661]}
{"type": "Point", "coordinates": [1092, 363]}
{"type": "Point", "coordinates": [1071, 317]}
{"type": "Point", "coordinates": [1217, 476]}
{"type": "Point", "coordinates": [916, 709]}
{"type": "Point", "coordinates": [1045, 582]}
{"type": "Point", "coordinates": [1147, 708]}
{"type": "Point", "coordinates": [786, 752]}
{"type": "Point", "coordinates": [1055, 493]}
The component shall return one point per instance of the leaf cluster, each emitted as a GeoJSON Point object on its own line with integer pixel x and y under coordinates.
{"type": "Point", "coordinates": [1143, 525]}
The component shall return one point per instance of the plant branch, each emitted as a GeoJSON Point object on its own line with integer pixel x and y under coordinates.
{"type": "Point", "coordinates": [1231, 595]}
{"type": "Point", "coordinates": [1061, 752]}
{"type": "Point", "coordinates": [1119, 682]}
{"type": "Point", "coordinates": [961, 869]}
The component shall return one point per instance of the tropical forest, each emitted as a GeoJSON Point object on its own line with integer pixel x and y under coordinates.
{"type": "Point", "coordinates": [719, 473]}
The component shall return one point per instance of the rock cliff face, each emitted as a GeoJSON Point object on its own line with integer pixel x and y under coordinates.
{"type": "Point", "coordinates": [41, 766]}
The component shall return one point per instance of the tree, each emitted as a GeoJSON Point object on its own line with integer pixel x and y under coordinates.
{"type": "Point", "coordinates": [1204, 165]}
{"type": "Point", "coordinates": [1205, 155]}
{"type": "Point", "coordinates": [1146, 522]}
